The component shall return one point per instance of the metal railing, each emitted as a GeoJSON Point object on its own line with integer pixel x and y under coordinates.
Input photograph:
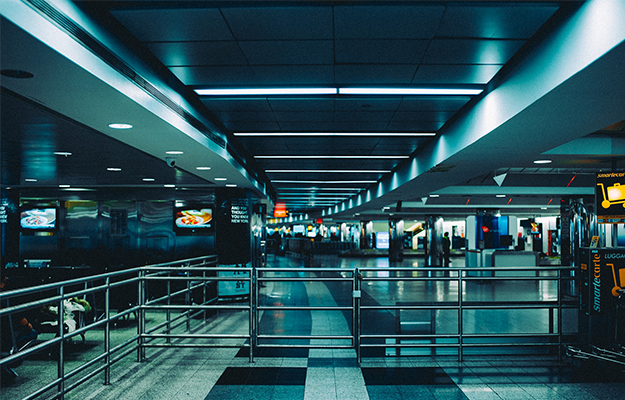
{"type": "Point", "coordinates": [56, 294]}
{"type": "Point", "coordinates": [463, 340]}
{"type": "Point", "coordinates": [184, 279]}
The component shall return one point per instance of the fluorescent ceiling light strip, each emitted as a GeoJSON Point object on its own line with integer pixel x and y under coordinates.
{"type": "Point", "coordinates": [315, 157]}
{"type": "Point", "coordinates": [270, 134]}
{"type": "Point", "coordinates": [264, 92]}
{"type": "Point", "coordinates": [411, 91]}
{"type": "Point", "coordinates": [316, 188]}
{"type": "Point", "coordinates": [346, 171]}
{"type": "Point", "coordinates": [286, 181]}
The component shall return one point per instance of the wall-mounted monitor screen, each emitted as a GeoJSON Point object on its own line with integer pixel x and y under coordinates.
{"type": "Point", "coordinates": [299, 229]}
{"type": "Point", "coordinates": [38, 219]}
{"type": "Point", "coordinates": [193, 219]}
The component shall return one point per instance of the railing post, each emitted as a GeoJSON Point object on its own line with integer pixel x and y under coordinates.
{"type": "Point", "coordinates": [356, 295]}
{"type": "Point", "coordinates": [187, 297]}
{"type": "Point", "coordinates": [252, 312]}
{"type": "Point", "coordinates": [107, 331]}
{"type": "Point", "coordinates": [141, 315]}
{"type": "Point", "coordinates": [61, 361]}
{"type": "Point", "coordinates": [559, 294]}
{"type": "Point", "coordinates": [460, 315]}
{"type": "Point", "coordinates": [168, 340]}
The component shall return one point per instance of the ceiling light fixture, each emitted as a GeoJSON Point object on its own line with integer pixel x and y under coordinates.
{"type": "Point", "coordinates": [174, 152]}
{"type": "Point", "coordinates": [203, 168]}
{"type": "Point", "coordinates": [113, 169]}
{"type": "Point", "coordinates": [221, 179]}
{"type": "Point", "coordinates": [435, 195]}
{"type": "Point", "coordinates": [148, 179]}
{"type": "Point", "coordinates": [231, 185]}
{"type": "Point", "coordinates": [411, 91]}
{"type": "Point", "coordinates": [351, 157]}
{"type": "Point", "coordinates": [500, 195]}
{"type": "Point", "coordinates": [542, 161]}
{"type": "Point", "coordinates": [30, 180]}
{"type": "Point", "coordinates": [319, 182]}
{"type": "Point", "coordinates": [120, 126]}
{"type": "Point", "coordinates": [264, 92]}
{"type": "Point", "coordinates": [317, 188]}
{"type": "Point", "coordinates": [169, 186]}
{"type": "Point", "coordinates": [63, 153]}
{"type": "Point", "coordinates": [347, 171]}
{"type": "Point", "coordinates": [64, 186]}
{"type": "Point", "coordinates": [304, 134]}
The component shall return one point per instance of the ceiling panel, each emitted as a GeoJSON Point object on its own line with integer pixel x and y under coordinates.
{"type": "Point", "coordinates": [215, 75]}
{"type": "Point", "coordinates": [245, 116]}
{"type": "Point", "coordinates": [372, 74]}
{"type": "Point", "coordinates": [412, 126]}
{"type": "Point", "coordinates": [301, 104]}
{"type": "Point", "coordinates": [360, 116]}
{"type": "Point", "coordinates": [198, 53]}
{"type": "Point", "coordinates": [380, 51]}
{"type": "Point", "coordinates": [496, 21]}
{"type": "Point", "coordinates": [250, 104]}
{"type": "Point", "coordinates": [368, 103]}
{"type": "Point", "coordinates": [302, 116]}
{"type": "Point", "coordinates": [471, 51]}
{"type": "Point", "coordinates": [423, 116]}
{"type": "Point", "coordinates": [292, 52]}
{"type": "Point", "coordinates": [455, 74]}
{"type": "Point", "coordinates": [279, 23]}
{"type": "Point", "coordinates": [342, 163]}
{"type": "Point", "coordinates": [164, 25]}
{"type": "Point", "coordinates": [373, 22]}
{"type": "Point", "coordinates": [252, 126]}
{"type": "Point", "coordinates": [432, 103]}
{"type": "Point", "coordinates": [294, 74]}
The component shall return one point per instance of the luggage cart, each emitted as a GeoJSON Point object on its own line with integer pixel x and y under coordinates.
{"type": "Point", "coordinates": [614, 355]}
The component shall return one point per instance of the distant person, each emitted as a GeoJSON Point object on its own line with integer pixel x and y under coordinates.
{"type": "Point", "coordinates": [446, 249]}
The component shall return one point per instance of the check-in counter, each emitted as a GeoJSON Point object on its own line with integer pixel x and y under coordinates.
{"type": "Point", "coordinates": [511, 258]}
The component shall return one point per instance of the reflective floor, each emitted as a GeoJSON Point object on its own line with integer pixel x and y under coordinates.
{"type": "Point", "coordinates": [325, 373]}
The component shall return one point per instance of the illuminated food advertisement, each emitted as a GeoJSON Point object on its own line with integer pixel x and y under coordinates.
{"type": "Point", "coordinates": [194, 219]}
{"type": "Point", "coordinates": [39, 218]}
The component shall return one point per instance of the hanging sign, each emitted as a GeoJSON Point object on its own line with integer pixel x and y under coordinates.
{"type": "Point", "coordinates": [610, 197]}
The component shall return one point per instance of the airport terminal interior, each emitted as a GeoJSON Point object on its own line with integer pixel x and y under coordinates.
{"type": "Point", "coordinates": [230, 199]}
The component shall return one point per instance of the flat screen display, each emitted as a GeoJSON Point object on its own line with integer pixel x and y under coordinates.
{"type": "Point", "coordinates": [193, 219]}
{"type": "Point", "coordinates": [43, 219]}
{"type": "Point", "coordinates": [299, 229]}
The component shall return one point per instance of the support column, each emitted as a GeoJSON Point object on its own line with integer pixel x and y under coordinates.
{"type": "Point", "coordinates": [396, 239]}
{"type": "Point", "coordinates": [432, 243]}
{"type": "Point", "coordinates": [366, 228]}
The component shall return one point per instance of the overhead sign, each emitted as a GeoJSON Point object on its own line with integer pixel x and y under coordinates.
{"type": "Point", "coordinates": [280, 211]}
{"type": "Point", "coordinates": [610, 197]}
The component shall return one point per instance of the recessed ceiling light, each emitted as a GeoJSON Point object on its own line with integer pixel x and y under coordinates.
{"type": "Point", "coordinates": [221, 179]}
{"type": "Point", "coordinates": [542, 161]}
{"type": "Point", "coordinates": [63, 153]}
{"type": "Point", "coordinates": [203, 168]}
{"type": "Point", "coordinates": [120, 126]}
{"type": "Point", "coordinates": [411, 91]}
{"type": "Point", "coordinates": [174, 152]}
{"type": "Point", "coordinates": [169, 186]}
{"type": "Point", "coordinates": [113, 169]}
{"type": "Point", "coordinates": [231, 185]}
{"type": "Point", "coordinates": [500, 195]}
{"type": "Point", "coordinates": [148, 179]}
{"type": "Point", "coordinates": [543, 208]}
{"type": "Point", "coordinates": [30, 180]}
{"type": "Point", "coordinates": [435, 195]}
{"type": "Point", "coordinates": [64, 186]}
{"type": "Point", "coordinates": [264, 92]}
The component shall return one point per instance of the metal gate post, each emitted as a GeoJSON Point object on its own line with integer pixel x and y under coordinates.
{"type": "Point", "coordinates": [107, 331]}
{"type": "Point", "coordinates": [61, 362]}
{"type": "Point", "coordinates": [141, 315]}
{"type": "Point", "coordinates": [460, 315]}
{"type": "Point", "coordinates": [356, 295]}
{"type": "Point", "coordinates": [253, 303]}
